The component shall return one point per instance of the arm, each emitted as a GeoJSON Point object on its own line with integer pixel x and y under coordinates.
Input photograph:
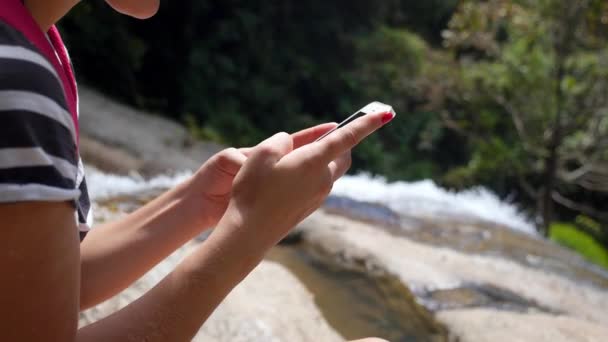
{"type": "Point", "coordinates": [38, 296]}
{"type": "Point", "coordinates": [40, 301]}
{"type": "Point", "coordinates": [176, 308]}
{"type": "Point", "coordinates": [275, 189]}
{"type": "Point", "coordinates": [269, 197]}
{"type": "Point", "coordinates": [115, 254]}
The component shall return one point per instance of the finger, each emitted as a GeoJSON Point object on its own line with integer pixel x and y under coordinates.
{"type": "Point", "coordinates": [246, 151]}
{"type": "Point", "coordinates": [302, 137]}
{"type": "Point", "coordinates": [350, 135]}
{"type": "Point", "coordinates": [229, 161]}
{"type": "Point", "coordinates": [273, 148]}
{"type": "Point", "coordinates": [309, 135]}
{"type": "Point", "coordinates": [338, 167]}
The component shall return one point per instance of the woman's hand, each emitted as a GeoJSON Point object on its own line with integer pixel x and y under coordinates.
{"type": "Point", "coordinates": [279, 185]}
{"type": "Point", "coordinates": [211, 186]}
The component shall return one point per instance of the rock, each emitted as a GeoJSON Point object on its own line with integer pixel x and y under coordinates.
{"type": "Point", "coordinates": [487, 325]}
{"type": "Point", "coordinates": [358, 302]}
{"type": "Point", "coordinates": [153, 140]}
{"type": "Point", "coordinates": [269, 305]}
{"type": "Point", "coordinates": [106, 158]}
{"type": "Point", "coordinates": [424, 267]}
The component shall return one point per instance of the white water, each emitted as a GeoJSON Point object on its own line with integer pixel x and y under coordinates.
{"type": "Point", "coordinates": [102, 185]}
{"type": "Point", "coordinates": [425, 198]}
{"type": "Point", "coordinates": [422, 198]}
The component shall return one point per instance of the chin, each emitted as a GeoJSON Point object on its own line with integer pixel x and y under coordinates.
{"type": "Point", "coordinates": [141, 9]}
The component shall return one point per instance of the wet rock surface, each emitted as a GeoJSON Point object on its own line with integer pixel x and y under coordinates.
{"type": "Point", "coordinates": [484, 325]}
{"type": "Point", "coordinates": [473, 237]}
{"type": "Point", "coordinates": [452, 284]}
{"type": "Point", "coordinates": [477, 296]}
{"type": "Point", "coordinates": [359, 303]}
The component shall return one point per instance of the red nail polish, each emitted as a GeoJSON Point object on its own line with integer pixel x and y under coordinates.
{"type": "Point", "coordinates": [386, 117]}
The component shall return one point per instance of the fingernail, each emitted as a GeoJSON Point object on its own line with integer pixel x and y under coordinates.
{"type": "Point", "coordinates": [386, 117]}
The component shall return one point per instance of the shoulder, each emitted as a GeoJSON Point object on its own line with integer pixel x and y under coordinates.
{"type": "Point", "coordinates": [38, 154]}
{"type": "Point", "coordinates": [24, 69]}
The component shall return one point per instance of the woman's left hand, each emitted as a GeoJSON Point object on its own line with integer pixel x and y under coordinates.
{"type": "Point", "coordinates": [211, 185]}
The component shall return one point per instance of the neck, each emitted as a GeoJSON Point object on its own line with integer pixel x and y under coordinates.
{"type": "Point", "coordinates": [47, 12]}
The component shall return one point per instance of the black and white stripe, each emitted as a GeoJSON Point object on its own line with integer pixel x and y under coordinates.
{"type": "Point", "coordinates": [24, 54]}
{"type": "Point", "coordinates": [31, 129]}
{"type": "Point", "coordinates": [26, 101]}
{"type": "Point", "coordinates": [25, 157]}
{"type": "Point", "coordinates": [38, 154]}
{"type": "Point", "coordinates": [27, 77]}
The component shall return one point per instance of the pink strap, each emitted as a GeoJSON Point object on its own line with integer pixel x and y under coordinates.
{"type": "Point", "coordinates": [62, 53]}
{"type": "Point", "coordinates": [14, 13]}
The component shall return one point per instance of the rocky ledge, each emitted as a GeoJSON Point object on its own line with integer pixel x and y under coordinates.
{"type": "Point", "coordinates": [477, 297]}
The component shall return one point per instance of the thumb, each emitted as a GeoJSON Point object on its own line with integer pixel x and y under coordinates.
{"type": "Point", "coordinates": [272, 149]}
{"type": "Point", "coordinates": [228, 161]}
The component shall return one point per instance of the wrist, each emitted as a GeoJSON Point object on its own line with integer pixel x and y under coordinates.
{"type": "Point", "coordinates": [194, 206]}
{"type": "Point", "coordinates": [229, 251]}
{"type": "Point", "coordinates": [250, 234]}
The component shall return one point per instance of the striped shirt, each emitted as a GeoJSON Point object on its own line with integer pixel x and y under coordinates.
{"type": "Point", "coordinates": [39, 158]}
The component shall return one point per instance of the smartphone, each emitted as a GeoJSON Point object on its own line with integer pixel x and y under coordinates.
{"type": "Point", "coordinates": [372, 108]}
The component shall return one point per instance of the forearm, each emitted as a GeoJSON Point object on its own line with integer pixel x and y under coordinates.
{"type": "Point", "coordinates": [115, 254]}
{"type": "Point", "coordinates": [176, 308]}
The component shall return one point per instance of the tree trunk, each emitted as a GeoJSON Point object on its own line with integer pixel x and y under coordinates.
{"type": "Point", "coordinates": [549, 178]}
{"type": "Point", "coordinates": [555, 141]}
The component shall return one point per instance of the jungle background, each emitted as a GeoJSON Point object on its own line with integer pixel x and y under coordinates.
{"type": "Point", "coordinates": [511, 95]}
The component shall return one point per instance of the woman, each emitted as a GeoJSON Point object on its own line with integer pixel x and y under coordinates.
{"type": "Point", "coordinates": [252, 196]}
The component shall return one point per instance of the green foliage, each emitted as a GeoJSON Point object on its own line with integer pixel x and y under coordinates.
{"type": "Point", "coordinates": [388, 66]}
{"type": "Point", "coordinates": [397, 152]}
{"type": "Point", "coordinates": [104, 50]}
{"type": "Point", "coordinates": [388, 63]}
{"type": "Point", "coordinates": [205, 133]}
{"type": "Point", "coordinates": [529, 94]}
{"type": "Point", "coordinates": [493, 163]}
{"type": "Point", "coordinates": [479, 86]}
{"type": "Point", "coordinates": [238, 72]}
{"type": "Point", "coordinates": [570, 236]}
{"type": "Point", "coordinates": [427, 18]}
{"type": "Point", "coordinates": [590, 224]}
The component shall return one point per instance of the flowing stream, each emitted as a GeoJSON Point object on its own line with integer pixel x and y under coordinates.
{"type": "Point", "coordinates": [357, 303]}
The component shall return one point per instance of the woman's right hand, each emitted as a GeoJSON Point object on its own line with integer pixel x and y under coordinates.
{"type": "Point", "coordinates": [279, 186]}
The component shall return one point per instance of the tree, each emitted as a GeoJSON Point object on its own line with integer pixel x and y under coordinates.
{"type": "Point", "coordinates": [542, 67]}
